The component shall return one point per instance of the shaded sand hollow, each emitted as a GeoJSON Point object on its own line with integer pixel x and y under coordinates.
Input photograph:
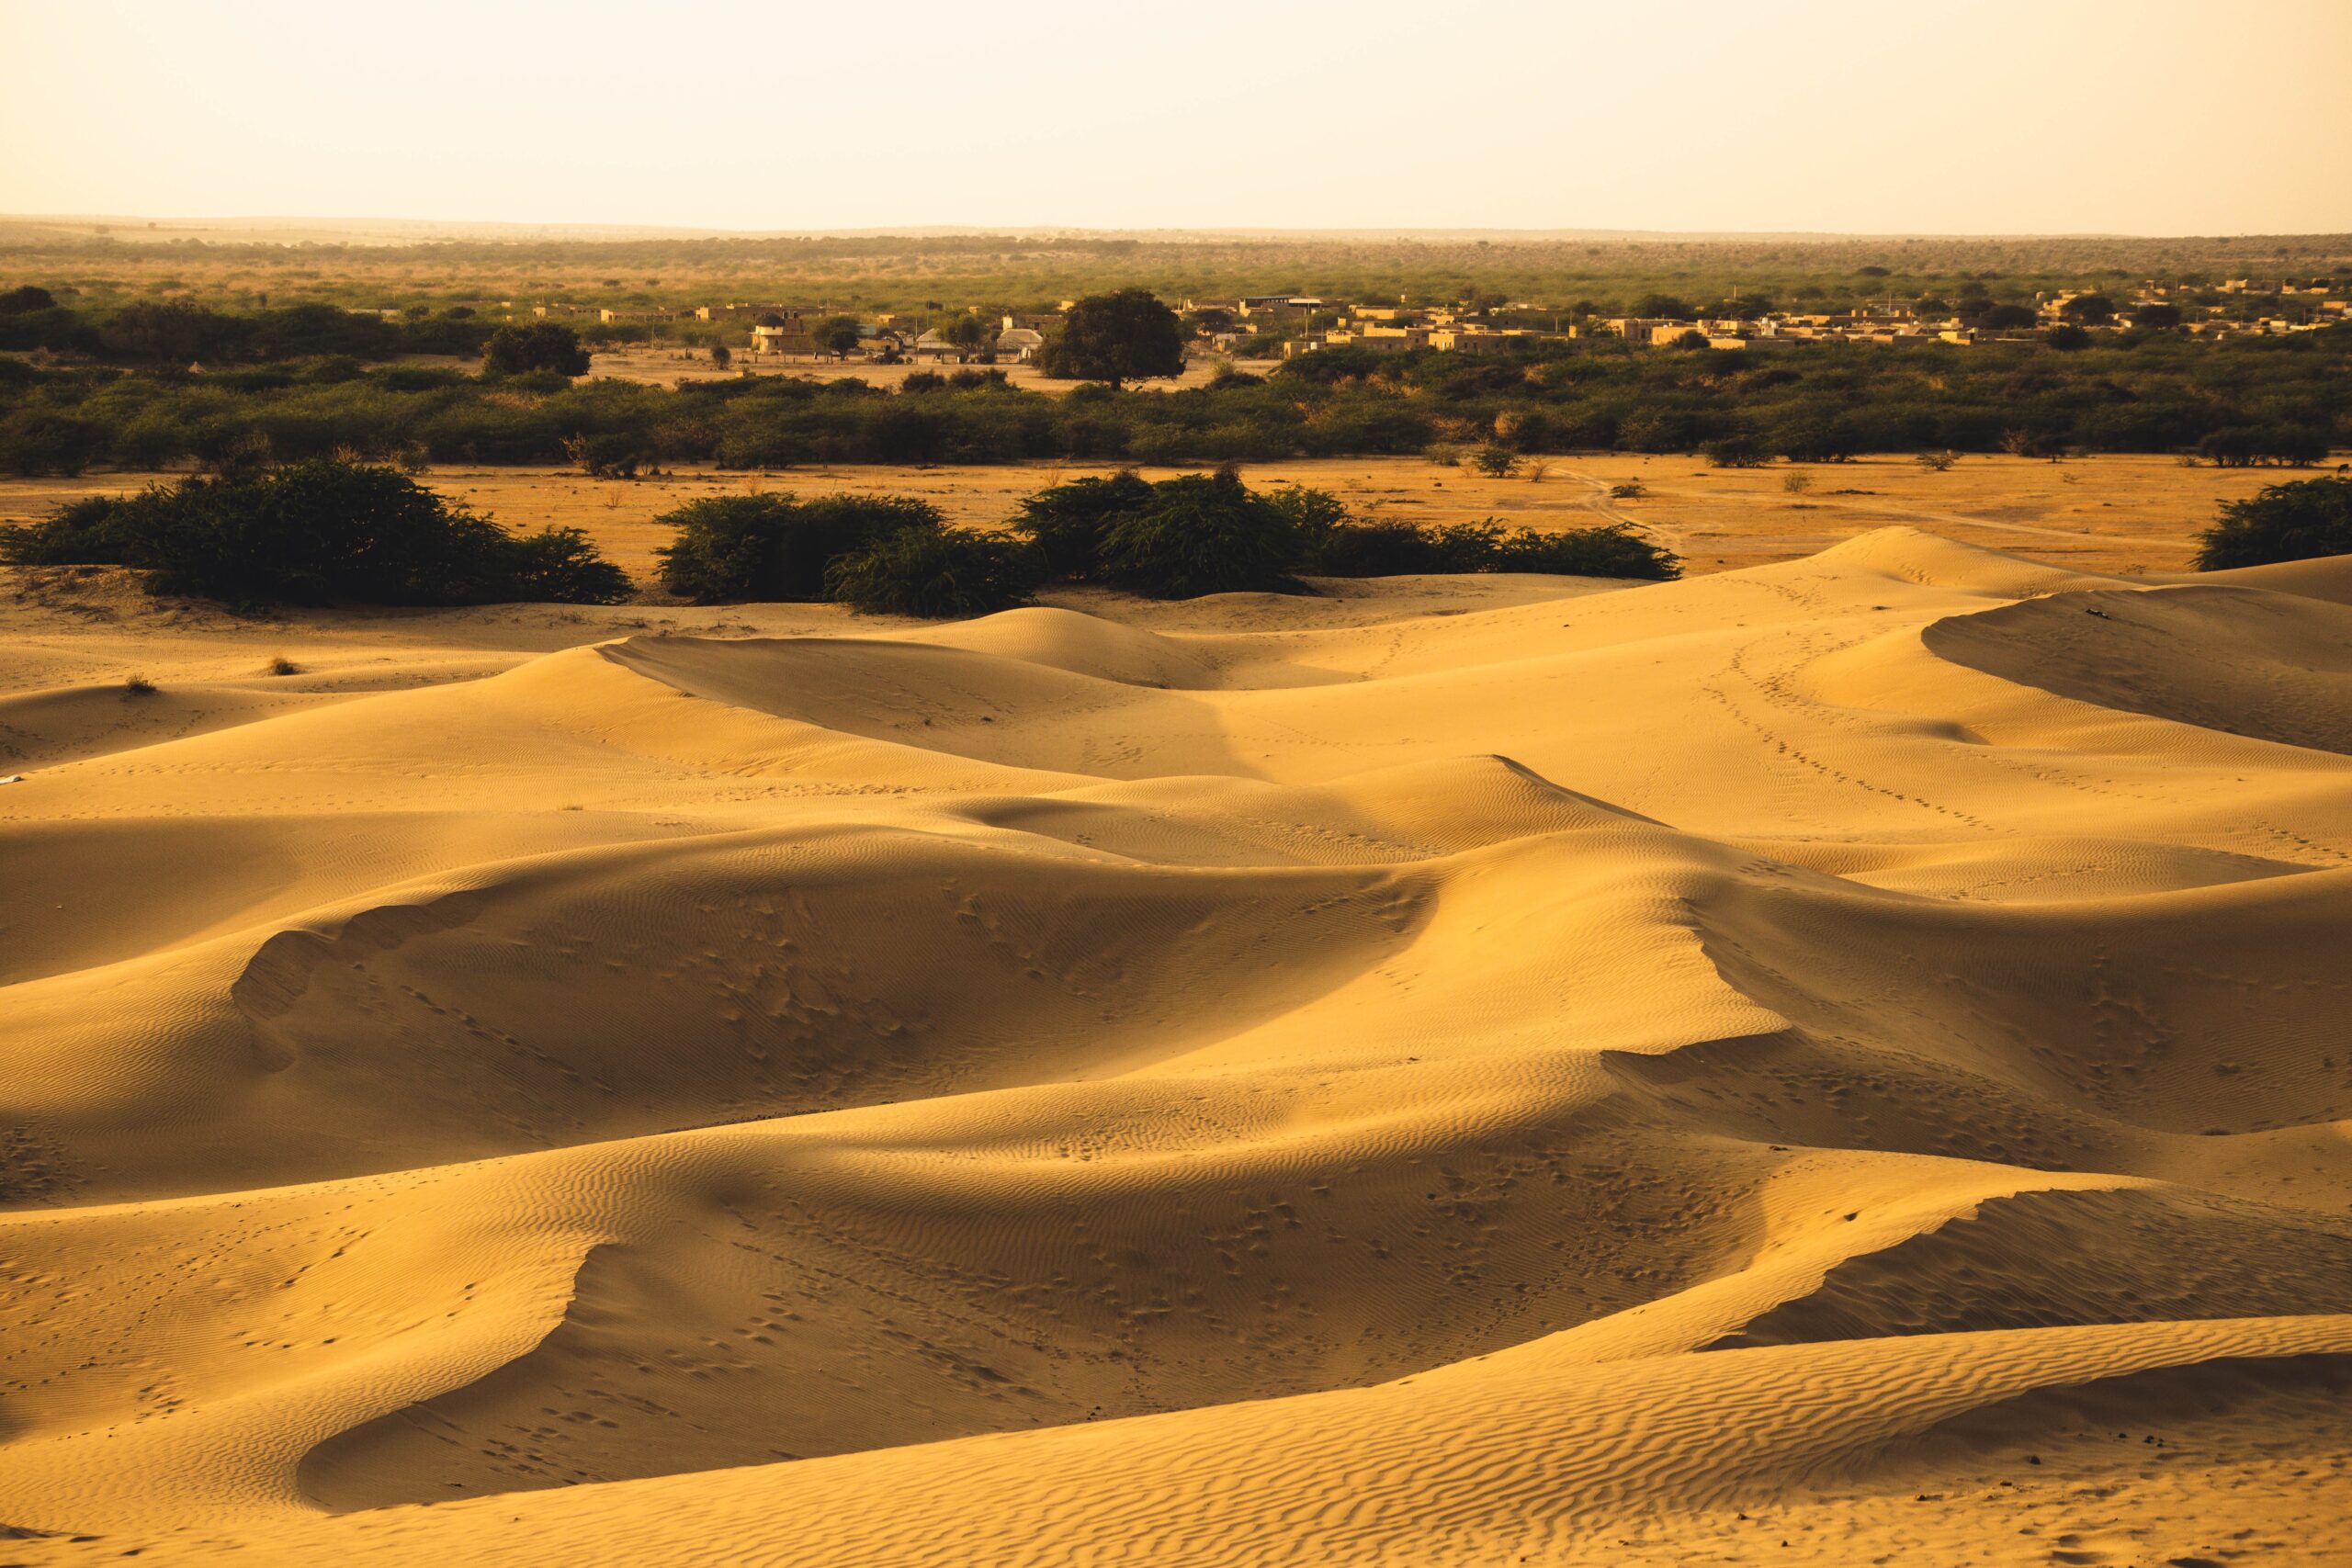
{"type": "Point", "coordinates": [1840, 1061]}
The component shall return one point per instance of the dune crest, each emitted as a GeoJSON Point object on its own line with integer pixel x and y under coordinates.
{"type": "Point", "coordinates": [1847, 1052]}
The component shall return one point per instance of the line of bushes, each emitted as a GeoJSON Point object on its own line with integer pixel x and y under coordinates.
{"type": "Point", "coordinates": [1175, 539]}
{"type": "Point", "coordinates": [176, 332]}
{"type": "Point", "coordinates": [317, 532]}
{"type": "Point", "coordinates": [2280, 522]}
{"type": "Point", "coordinates": [2284, 400]}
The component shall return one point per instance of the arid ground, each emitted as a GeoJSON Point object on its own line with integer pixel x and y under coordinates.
{"type": "Point", "coordinates": [2116, 515]}
{"type": "Point", "coordinates": [1840, 1059]}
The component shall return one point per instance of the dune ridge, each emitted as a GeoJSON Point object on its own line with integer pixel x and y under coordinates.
{"type": "Point", "coordinates": [1847, 1052]}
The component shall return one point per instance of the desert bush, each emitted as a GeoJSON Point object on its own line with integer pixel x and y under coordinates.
{"type": "Point", "coordinates": [1612, 551]}
{"type": "Point", "coordinates": [611, 456]}
{"type": "Point", "coordinates": [38, 442]}
{"type": "Point", "coordinates": [776, 548]}
{"type": "Point", "coordinates": [935, 573]}
{"type": "Point", "coordinates": [314, 532]}
{"type": "Point", "coordinates": [546, 346]}
{"type": "Point", "coordinates": [2245, 446]}
{"type": "Point", "coordinates": [1200, 533]}
{"type": "Point", "coordinates": [1389, 548]}
{"type": "Point", "coordinates": [1494, 462]}
{"type": "Point", "coordinates": [2284, 521]}
{"type": "Point", "coordinates": [1066, 522]}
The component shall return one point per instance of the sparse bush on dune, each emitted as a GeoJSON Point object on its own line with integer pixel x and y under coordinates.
{"type": "Point", "coordinates": [1612, 551]}
{"type": "Point", "coordinates": [315, 531]}
{"type": "Point", "coordinates": [1381, 549]}
{"type": "Point", "coordinates": [1182, 537]}
{"type": "Point", "coordinates": [1393, 548]}
{"type": "Point", "coordinates": [2289, 521]}
{"type": "Point", "coordinates": [776, 548]}
{"type": "Point", "coordinates": [1201, 534]}
{"type": "Point", "coordinates": [935, 573]}
{"type": "Point", "coordinates": [1066, 522]}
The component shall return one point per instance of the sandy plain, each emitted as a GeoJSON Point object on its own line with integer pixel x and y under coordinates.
{"type": "Point", "coordinates": [1839, 1060]}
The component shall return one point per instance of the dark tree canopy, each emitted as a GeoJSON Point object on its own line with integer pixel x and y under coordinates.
{"type": "Point", "coordinates": [837, 335]}
{"type": "Point", "coordinates": [1119, 337]}
{"type": "Point", "coordinates": [2288, 521]}
{"type": "Point", "coordinates": [315, 531]}
{"type": "Point", "coordinates": [2002, 318]}
{"type": "Point", "coordinates": [543, 345]}
{"type": "Point", "coordinates": [26, 299]}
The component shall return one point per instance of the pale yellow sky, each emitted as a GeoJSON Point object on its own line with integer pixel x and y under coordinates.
{"type": "Point", "coordinates": [2152, 117]}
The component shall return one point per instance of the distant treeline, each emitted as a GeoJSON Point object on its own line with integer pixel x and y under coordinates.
{"type": "Point", "coordinates": [2285, 399]}
{"type": "Point", "coordinates": [929, 271]}
{"type": "Point", "coordinates": [178, 332]}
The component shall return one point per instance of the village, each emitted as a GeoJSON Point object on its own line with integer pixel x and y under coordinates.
{"type": "Point", "coordinates": [1287, 326]}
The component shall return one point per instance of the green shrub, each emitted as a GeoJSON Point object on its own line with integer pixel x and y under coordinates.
{"type": "Point", "coordinates": [2245, 446]}
{"type": "Point", "coordinates": [35, 442]}
{"type": "Point", "coordinates": [1391, 549]}
{"type": "Point", "coordinates": [1066, 522]}
{"type": "Point", "coordinates": [545, 346]}
{"type": "Point", "coordinates": [776, 548]}
{"type": "Point", "coordinates": [2288, 522]}
{"type": "Point", "coordinates": [615, 457]}
{"type": "Point", "coordinates": [1612, 551]}
{"type": "Point", "coordinates": [934, 573]}
{"type": "Point", "coordinates": [315, 531]}
{"type": "Point", "coordinates": [1381, 549]}
{"type": "Point", "coordinates": [1201, 534]}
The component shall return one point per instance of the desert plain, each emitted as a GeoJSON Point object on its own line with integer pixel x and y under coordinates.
{"type": "Point", "coordinates": [1841, 1059]}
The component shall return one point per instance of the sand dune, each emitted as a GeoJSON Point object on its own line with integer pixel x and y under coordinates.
{"type": "Point", "coordinates": [1846, 1053]}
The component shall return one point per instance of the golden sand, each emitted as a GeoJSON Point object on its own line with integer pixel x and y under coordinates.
{"type": "Point", "coordinates": [1834, 1061]}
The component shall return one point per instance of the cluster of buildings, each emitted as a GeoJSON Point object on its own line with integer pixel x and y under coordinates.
{"type": "Point", "coordinates": [1304, 324]}
{"type": "Point", "coordinates": [790, 331]}
{"type": "Point", "coordinates": [1308, 323]}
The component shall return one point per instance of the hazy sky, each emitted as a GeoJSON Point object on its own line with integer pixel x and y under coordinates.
{"type": "Point", "coordinates": [2154, 117]}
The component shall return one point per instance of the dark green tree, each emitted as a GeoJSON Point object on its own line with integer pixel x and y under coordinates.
{"type": "Point", "coordinates": [316, 532]}
{"type": "Point", "coordinates": [543, 345]}
{"type": "Point", "coordinates": [967, 334]}
{"type": "Point", "coordinates": [837, 335]}
{"type": "Point", "coordinates": [2288, 521]}
{"type": "Point", "coordinates": [776, 546]}
{"type": "Point", "coordinates": [933, 572]}
{"type": "Point", "coordinates": [1116, 338]}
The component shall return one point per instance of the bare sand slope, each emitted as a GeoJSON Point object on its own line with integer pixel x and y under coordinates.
{"type": "Point", "coordinates": [1843, 1058]}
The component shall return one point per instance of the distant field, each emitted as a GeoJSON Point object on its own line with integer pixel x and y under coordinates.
{"type": "Point", "coordinates": [2104, 513]}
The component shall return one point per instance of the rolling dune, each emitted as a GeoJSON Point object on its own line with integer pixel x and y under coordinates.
{"type": "Point", "coordinates": [1844, 1057]}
